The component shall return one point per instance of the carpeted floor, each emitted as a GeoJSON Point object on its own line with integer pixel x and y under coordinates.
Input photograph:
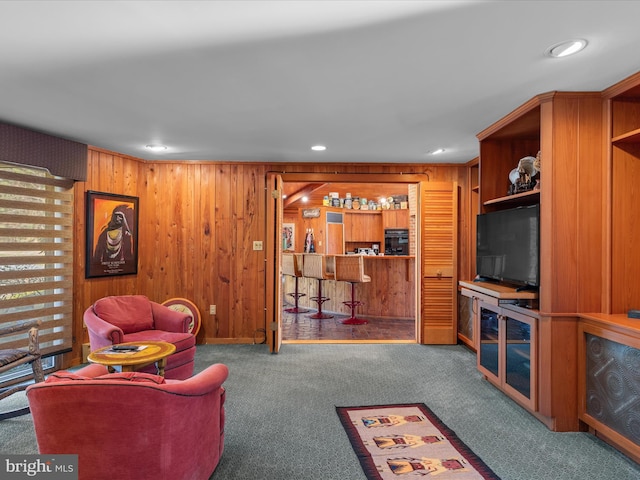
{"type": "Point", "coordinates": [281, 419]}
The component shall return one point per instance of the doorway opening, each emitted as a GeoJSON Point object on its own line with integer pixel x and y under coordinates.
{"type": "Point", "coordinates": [390, 302]}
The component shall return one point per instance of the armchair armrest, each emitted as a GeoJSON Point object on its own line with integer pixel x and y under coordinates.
{"type": "Point", "coordinates": [101, 333]}
{"type": "Point", "coordinates": [208, 380]}
{"type": "Point", "coordinates": [169, 320]}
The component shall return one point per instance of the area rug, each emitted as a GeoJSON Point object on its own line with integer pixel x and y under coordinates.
{"type": "Point", "coordinates": [408, 441]}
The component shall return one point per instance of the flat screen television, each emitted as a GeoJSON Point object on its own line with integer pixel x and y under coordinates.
{"type": "Point", "coordinates": [508, 246]}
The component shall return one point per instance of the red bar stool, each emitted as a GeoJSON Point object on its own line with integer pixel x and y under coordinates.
{"type": "Point", "coordinates": [350, 268]}
{"type": "Point", "coordinates": [314, 265]}
{"type": "Point", "coordinates": [292, 266]}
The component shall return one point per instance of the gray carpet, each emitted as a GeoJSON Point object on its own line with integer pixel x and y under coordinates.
{"type": "Point", "coordinates": [281, 420]}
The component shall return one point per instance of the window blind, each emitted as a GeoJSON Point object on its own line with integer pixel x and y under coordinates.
{"type": "Point", "coordinates": [36, 254]}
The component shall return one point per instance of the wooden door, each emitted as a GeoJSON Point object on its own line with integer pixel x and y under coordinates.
{"type": "Point", "coordinates": [274, 262]}
{"type": "Point", "coordinates": [335, 239]}
{"type": "Point", "coordinates": [439, 247]}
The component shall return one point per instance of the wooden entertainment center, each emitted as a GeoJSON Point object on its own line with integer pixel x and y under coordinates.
{"type": "Point", "coordinates": [567, 129]}
{"type": "Point", "coordinates": [609, 341]}
{"type": "Point", "coordinates": [584, 351]}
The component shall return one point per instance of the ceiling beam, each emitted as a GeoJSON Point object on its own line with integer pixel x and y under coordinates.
{"type": "Point", "coordinates": [307, 190]}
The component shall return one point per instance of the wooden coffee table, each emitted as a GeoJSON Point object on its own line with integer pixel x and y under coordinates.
{"type": "Point", "coordinates": [129, 361]}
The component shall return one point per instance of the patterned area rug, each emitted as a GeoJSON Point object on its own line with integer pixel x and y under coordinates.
{"type": "Point", "coordinates": [408, 441]}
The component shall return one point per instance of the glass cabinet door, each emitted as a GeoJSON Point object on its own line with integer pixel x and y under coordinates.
{"type": "Point", "coordinates": [507, 351]}
{"type": "Point", "coordinates": [518, 356]}
{"type": "Point", "coordinates": [489, 353]}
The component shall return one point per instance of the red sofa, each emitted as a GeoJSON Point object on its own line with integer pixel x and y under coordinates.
{"type": "Point", "coordinates": [133, 318]}
{"type": "Point", "coordinates": [132, 425]}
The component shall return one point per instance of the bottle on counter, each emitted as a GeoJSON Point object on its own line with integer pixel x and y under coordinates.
{"type": "Point", "coordinates": [312, 246]}
{"type": "Point", "coordinates": [307, 241]}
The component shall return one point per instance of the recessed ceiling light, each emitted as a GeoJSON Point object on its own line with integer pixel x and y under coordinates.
{"type": "Point", "coordinates": [567, 48]}
{"type": "Point", "coordinates": [156, 148]}
{"type": "Point", "coordinates": [435, 152]}
{"type": "Point", "coordinates": [318, 148]}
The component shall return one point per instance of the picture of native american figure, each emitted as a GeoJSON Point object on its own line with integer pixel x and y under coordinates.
{"type": "Point", "coordinates": [405, 441]}
{"type": "Point", "coordinates": [390, 420]}
{"type": "Point", "coordinates": [424, 466]}
{"type": "Point", "coordinates": [115, 243]}
{"type": "Point", "coordinates": [112, 233]}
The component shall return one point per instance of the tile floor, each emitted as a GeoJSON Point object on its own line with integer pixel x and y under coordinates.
{"type": "Point", "coordinates": [301, 328]}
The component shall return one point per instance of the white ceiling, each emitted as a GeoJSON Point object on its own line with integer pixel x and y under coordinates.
{"type": "Point", "coordinates": [375, 81]}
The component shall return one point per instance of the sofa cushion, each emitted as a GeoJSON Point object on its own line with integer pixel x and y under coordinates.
{"type": "Point", "coordinates": [64, 376]}
{"type": "Point", "coordinates": [133, 377]}
{"type": "Point", "coordinates": [130, 313]}
{"type": "Point", "coordinates": [182, 341]}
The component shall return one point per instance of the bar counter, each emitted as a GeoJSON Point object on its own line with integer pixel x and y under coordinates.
{"type": "Point", "coordinates": [390, 294]}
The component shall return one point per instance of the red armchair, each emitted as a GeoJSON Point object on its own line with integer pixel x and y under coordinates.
{"type": "Point", "coordinates": [132, 425]}
{"type": "Point", "coordinates": [134, 318]}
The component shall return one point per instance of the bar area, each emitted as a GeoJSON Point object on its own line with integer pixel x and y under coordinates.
{"type": "Point", "coordinates": [338, 224]}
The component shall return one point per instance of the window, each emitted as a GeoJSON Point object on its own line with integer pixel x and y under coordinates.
{"type": "Point", "coordinates": [36, 254]}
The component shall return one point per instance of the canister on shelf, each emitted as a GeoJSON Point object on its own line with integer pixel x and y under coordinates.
{"type": "Point", "coordinates": [348, 202]}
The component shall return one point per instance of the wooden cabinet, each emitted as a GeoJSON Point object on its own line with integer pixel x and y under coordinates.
{"type": "Point", "coordinates": [466, 323]}
{"type": "Point", "coordinates": [567, 129]}
{"type": "Point", "coordinates": [363, 227]}
{"type": "Point", "coordinates": [469, 208]}
{"type": "Point", "coordinates": [398, 218]}
{"type": "Point", "coordinates": [507, 350]}
{"type": "Point", "coordinates": [609, 383]}
{"type": "Point", "coordinates": [506, 340]}
{"type": "Point", "coordinates": [623, 102]}
{"type": "Point", "coordinates": [609, 341]}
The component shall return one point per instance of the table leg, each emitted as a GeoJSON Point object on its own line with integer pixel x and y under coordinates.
{"type": "Point", "coordinates": [160, 365]}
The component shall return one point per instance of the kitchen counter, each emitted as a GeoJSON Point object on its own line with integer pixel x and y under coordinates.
{"type": "Point", "coordinates": [390, 294]}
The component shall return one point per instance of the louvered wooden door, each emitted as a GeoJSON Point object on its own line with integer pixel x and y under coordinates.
{"type": "Point", "coordinates": [439, 241]}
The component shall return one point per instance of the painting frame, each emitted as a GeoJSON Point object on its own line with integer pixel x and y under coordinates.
{"type": "Point", "coordinates": [288, 237]}
{"type": "Point", "coordinates": [111, 234]}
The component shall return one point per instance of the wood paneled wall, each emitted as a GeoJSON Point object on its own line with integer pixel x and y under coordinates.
{"type": "Point", "coordinates": [198, 221]}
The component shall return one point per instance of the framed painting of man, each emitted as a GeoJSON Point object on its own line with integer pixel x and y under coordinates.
{"type": "Point", "coordinates": [111, 234]}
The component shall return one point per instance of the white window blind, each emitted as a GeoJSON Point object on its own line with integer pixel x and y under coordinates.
{"type": "Point", "coordinates": [36, 254]}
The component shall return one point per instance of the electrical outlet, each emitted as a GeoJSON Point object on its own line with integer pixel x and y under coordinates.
{"type": "Point", "coordinates": [257, 245]}
{"type": "Point", "coordinates": [212, 309]}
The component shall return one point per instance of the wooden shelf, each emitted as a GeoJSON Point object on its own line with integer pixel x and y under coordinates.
{"type": "Point", "coordinates": [497, 290]}
{"type": "Point", "coordinates": [629, 137]}
{"type": "Point", "coordinates": [532, 195]}
{"type": "Point", "coordinates": [351, 210]}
